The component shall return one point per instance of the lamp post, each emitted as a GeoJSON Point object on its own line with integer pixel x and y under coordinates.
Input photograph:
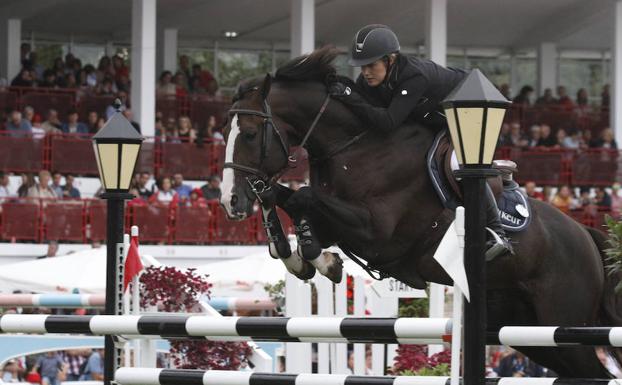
{"type": "Point", "coordinates": [116, 148]}
{"type": "Point", "coordinates": [474, 112]}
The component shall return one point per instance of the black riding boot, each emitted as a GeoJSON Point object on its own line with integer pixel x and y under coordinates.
{"type": "Point", "coordinates": [497, 243]}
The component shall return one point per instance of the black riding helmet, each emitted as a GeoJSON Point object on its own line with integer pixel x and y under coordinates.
{"type": "Point", "coordinates": [371, 43]}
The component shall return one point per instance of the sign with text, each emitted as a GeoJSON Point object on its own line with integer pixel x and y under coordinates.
{"type": "Point", "coordinates": [392, 288]}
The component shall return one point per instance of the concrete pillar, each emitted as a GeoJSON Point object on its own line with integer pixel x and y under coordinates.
{"type": "Point", "coordinates": [547, 67]}
{"type": "Point", "coordinates": [169, 51]}
{"type": "Point", "coordinates": [10, 41]}
{"type": "Point", "coordinates": [302, 27]}
{"type": "Point", "coordinates": [615, 110]}
{"type": "Point", "coordinates": [143, 64]}
{"type": "Point", "coordinates": [436, 31]}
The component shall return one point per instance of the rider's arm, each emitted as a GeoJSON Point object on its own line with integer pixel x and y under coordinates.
{"type": "Point", "coordinates": [405, 98]}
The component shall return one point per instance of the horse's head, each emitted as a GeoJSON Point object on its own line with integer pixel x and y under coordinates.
{"type": "Point", "coordinates": [255, 151]}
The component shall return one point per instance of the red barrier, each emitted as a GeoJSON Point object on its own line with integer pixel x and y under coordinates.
{"type": "Point", "coordinates": [596, 168]}
{"type": "Point", "coordinates": [95, 103]}
{"type": "Point", "coordinates": [186, 158]}
{"type": "Point", "coordinates": [21, 154]}
{"type": "Point", "coordinates": [96, 212]}
{"type": "Point", "coordinates": [20, 221]}
{"type": "Point", "coordinates": [542, 167]}
{"type": "Point", "coordinates": [73, 154]}
{"type": "Point", "coordinates": [229, 232]}
{"type": "Point", "coordinates": [193, 225]}
{"type": "Point", "coordinates": [153, 221]}
{"type": "Point", "coordinates": [64, 221]}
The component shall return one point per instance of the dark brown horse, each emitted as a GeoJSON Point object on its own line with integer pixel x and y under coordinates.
{"type": "Point", "coordinates": [374, 198]}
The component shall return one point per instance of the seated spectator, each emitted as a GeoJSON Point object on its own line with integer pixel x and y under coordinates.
{"type": "Point", "coordinates": [585, 198]}
{"type": "Point", "coordinates": [564, 199]}
{"type": "Point", "coordinates": [606, 140]}
{"type": "Point", "coordinates": [603, 199]}
{"type": "Point", "coordinates": [518, 365]}
{"type": "Point", "coordinates": [560, 136]}
{"type": "Point", "coordinates": [69, 191]}
{"type": "Point", "coordinates": [184, 67]}
{"type": "Point", "coordinates": [181, 85]}
{"type": "Point", "coordinates": [212, 189]}
{"type": "Point", "coordinates": [123, 84]}
{"type": "Point", "coordinates": [195, 86]}
{"type": "Point", "coordinates": [586, 139]}
{"type": "Point", "coordinates": [185, 132]}
{"type": "Point", "coordinates": [110, 110]}
{"type": "Point", "coordinates": [119, 67]}
{"type": "Point", "coordinates": [516, 137]}
{"type": "Point", "coordinates": [37, 131]}
{"type": "Point", "coordinates": [4, 185]}
{"type": "Point", "coordinates": [205, 77]}
{"type": "Point", "coordinates": [91, 75]}
{"type": "Point", "coordinates": [56, 183]}
{"type": "Point", "coordinates": [535, 134]}
{"type": "Point", "coordinates": [52, 125]}
{"type": "Point", "coordinates": [212, 132]}
{"type": "Point", "coordinates": [73, 126]}
{"type": "Point", "coordinates": [532, 192]}
{"type": "Point", "coordinates": [106, 88]}
{"type": "Point", "coordinates": [546, 99]}
{"type": "Point", "coordinates": [572, 141]}
{"type": "Point", "coordinates": [504, 136]}
{"type": "Point", "coordinates": [170, 132]}
{"type": "Point", "coordinates": [505, 91]}
{"type": "Point", "coordinates": [165, 192]}
{"type": "Point", "coordinates": [160, 131]}
{"type": "Point", "coordinates": [42, 189]}
{"type": "Point", "coordinates": [29, 114]}
{"type": "Point", "coordinates": [183, 190]}
{"type": "Point", "coordinates": [523, 99]}
{"type": "Point", "coordinates": [582, 107]}
{"type": "Point", "coordinates": [91, 122]}
{"type": "Point", "coordinates": [128, 115]}
{"type": "Point", "coordinates": [616, 201]}
{"type": "Point", "coordinates": [49, 79]}
{"type": "Point", "coordinates": [165, 86]}
{"type": "Point", "coordinates": [196, 199]}
{"type": "Point", "coordinates": [141, 185]}
{"type": "Point", "coordinates": [563, 100]}
{"type": "Point", "coordinates": [546, 137]}
{"type": "Point", "coordinates": [101, 122]}
{"type": "Point", "coordinates": [23, 79]}
{"type": "Point", "coordinates": [28, 181]}
{"type": "Point", "coordinates": [19, 126]}
{"type": "Point", "coordinates": [137, 200]}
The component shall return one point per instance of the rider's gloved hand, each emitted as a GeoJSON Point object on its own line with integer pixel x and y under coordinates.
{"type": "Point", "coordinates": [339, 90]}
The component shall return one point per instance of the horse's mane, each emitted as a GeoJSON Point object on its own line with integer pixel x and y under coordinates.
{"type": "Point", "coordinates": [316, 66]}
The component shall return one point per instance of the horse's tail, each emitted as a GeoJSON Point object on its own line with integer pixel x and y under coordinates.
{"type": "Point", "coordinates": [611, 303]}
{"type": "Point", "coordinates": [610, 313]}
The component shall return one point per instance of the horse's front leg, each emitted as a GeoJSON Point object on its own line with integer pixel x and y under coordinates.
{"type": "Point", "coordinates": [278, 244]}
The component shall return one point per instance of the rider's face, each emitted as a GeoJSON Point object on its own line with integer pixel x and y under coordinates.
{"type": "Point", "coordinates": [374, 73]}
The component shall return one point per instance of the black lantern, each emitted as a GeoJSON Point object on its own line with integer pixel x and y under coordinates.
{"type": "Point", "coordinates": [116, 147]}
{"type": "Point", "coordinates": [475, 112]}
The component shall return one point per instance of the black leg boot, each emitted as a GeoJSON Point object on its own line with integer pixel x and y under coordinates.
{"type": "Point", "coordinates": [278, 243]}
{"type": "Point", "coordinates": [308, 245]}
{"type": "Point", "coordinates": [497, 243]}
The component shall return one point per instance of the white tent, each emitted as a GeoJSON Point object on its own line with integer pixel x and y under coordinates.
{"type": "Point", "coordinates": [84, 271]}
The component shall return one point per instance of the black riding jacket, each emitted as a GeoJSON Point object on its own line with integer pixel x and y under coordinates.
{"type": "Point", "coordinates": [414, 90]}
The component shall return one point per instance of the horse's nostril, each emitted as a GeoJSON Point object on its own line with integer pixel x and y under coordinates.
{"type": "Point", "coordinates": [234, 200]}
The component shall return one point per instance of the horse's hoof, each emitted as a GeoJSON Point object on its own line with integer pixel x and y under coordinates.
{"type": "Point", "coordinates": [329, 265]}
{"type": "Point", "coordinates": [298, 266]}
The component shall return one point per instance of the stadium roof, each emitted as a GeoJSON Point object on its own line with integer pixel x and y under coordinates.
{"type": "Point", "coordinates": [509, 24]}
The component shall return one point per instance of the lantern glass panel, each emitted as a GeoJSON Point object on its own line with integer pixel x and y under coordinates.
{"type": "Point", "coordinates": [494, 121]}
{"type": "Point", "coordinates": [109, 158]}
{"type": "Point", "coordinates": [130, 155]}
{"type": "Point", "coordinates": [453, 130]}
{"type": "Point", "coordinates": [470, 120]}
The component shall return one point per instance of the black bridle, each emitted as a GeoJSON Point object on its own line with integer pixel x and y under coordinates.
{"type": "Point", "coordinates": [258, 180]}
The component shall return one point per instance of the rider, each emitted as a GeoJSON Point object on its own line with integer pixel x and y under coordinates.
{"type": "Point", "coordinates": [401, 88]}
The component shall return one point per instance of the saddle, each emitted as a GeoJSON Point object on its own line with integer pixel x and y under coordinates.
{"type": "Point", "coordinates": [514, 208]}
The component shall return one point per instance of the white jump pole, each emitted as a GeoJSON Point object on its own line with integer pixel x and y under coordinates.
{"type": "Point", "coordinates": [456, 331]}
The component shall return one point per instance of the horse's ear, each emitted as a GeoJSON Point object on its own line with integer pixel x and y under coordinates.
{"type": "Point", "coordinates": [265, 88]}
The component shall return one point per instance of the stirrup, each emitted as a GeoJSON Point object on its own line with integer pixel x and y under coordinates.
{"type": "Point", "coordinates": [499, 247]}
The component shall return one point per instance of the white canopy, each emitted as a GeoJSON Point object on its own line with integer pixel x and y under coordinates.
{"type": "Point", "coordinates": [83, 270]}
